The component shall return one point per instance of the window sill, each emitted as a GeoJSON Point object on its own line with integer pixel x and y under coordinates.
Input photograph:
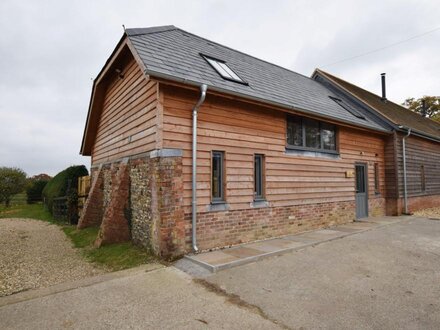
{"type": "Point", "coordinates": [217, 206]}
{"type": "Point", "coordinates": [259, 203]}
{"type": "Point", "coordinates": [312, 153]}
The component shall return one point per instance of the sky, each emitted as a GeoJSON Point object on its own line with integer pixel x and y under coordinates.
{"type": "Point", "coordinates": [50, 52]}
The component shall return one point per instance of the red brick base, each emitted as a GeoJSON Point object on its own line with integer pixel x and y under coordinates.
{"type": "Point", "coordinates": [397, 206]}
{"type": "Point", "coordinates": [91, 215]}
{"type": "Point", "coordinates": [225, 228]}
{"type": "Point", "coordinates": [141, 198]}
{"type": "Point", "coordinates": [423, 202]}
{"type": "Point", "coordinates": [115, 222]}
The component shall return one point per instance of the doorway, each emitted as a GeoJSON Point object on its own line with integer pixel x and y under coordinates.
{"type": "Point", "coordinates": [361, 191]}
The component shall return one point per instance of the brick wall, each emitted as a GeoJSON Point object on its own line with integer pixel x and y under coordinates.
{"type": "Point", "coordinates": [224, 228]}
{"type": "Point", "coordinates": [422, 202]}
{"type": "Point", "coordinates": [377, 207]}
{"type": "Point", "coordinates": [141, 202]}
{"type": "Point", "coordinates": [139, 199]}
{"type": "Point", "coordinates": [147, 204]}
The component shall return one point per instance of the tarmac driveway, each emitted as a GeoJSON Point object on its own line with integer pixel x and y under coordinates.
{"type": "Point", "coordinates": [386, 278]}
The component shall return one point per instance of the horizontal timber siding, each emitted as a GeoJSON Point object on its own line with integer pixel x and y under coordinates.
{"type": "Point", "coordinates": [419, 152]}
{"type": "Point", "coordinates": [242, 130]}
{"type": "Point", "coordinates": [127, 125]}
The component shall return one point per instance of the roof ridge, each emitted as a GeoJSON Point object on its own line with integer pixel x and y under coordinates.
{"type": "Point", "coordinates": [238, 51]}
{"type": "Point", "coordinates": [131, 32]}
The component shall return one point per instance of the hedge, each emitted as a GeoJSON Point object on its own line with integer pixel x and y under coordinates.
{"type": "Point", "coordinates": [59, 185]}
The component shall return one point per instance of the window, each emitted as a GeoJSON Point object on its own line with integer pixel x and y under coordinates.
{"type": "Point", "coordinates": [217, 173]}
{"type": "Point", "coordinates": [305, 134]}
{"type": "Point", "coordinates": [360, 179]}
{"type": "Point", "coordinates": [223, 69]}
{"type": "Point", "coordinates": [259, 177]}
{"type": "Point", "coordinates": [422, 178]}
{"type": "Point", "coordinates": [348, 107]}
{"type": "Point", "coordinates": [376, 178]}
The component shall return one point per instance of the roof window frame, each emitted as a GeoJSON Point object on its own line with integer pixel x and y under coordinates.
{"type": "Point", "coordinates": [229, 75]}
{"type": "Point", "coordinates": [348, 107]}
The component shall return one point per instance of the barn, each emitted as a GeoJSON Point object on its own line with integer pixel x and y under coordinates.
{"type": "Point", "coordinates": [412, 152]}
{"type": "Point", "coordinates": [196, 146]}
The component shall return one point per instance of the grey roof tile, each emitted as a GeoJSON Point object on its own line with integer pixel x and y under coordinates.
{"type": "Point", "coordinates": [175, 53]}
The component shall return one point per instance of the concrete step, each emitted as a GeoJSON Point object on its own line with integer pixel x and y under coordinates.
{"type": "Point", "coordinates": [217, 260]}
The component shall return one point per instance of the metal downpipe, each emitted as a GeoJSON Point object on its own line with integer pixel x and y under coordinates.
{"type": "Point", "coordinates": [203, 89]}
{"type": "Point", "coordinates": [405, 189]}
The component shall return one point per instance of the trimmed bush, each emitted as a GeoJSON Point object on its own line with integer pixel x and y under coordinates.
{"type": "Point", "coordinates": [64, 184]}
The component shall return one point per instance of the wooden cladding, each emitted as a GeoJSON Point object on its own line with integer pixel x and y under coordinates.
{"type": "Point", "coordinates": [423, 166]}
{"type": "Point", "coordinates": [241, 131]}
{"type": "Point", "coordinates": [128, 121]}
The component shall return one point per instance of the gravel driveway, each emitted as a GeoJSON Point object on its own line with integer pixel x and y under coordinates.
{"type": "Point", "coordinates": [35, 254]}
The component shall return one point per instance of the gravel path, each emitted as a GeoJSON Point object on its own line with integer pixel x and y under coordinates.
{"type": "Point", "coordinates": [433, 213]}
{"type": "Point", "coordinates": [35, 254]}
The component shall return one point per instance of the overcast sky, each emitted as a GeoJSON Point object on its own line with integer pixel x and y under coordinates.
{"type": "Point", "coordinates": [51, 50]}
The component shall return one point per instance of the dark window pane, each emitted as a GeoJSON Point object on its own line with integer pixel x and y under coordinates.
{"type": "Point", "coordinates": [313, 139]}
{"type": "Point", "coordinates": [328, 136]}
{"type": "Point", "coordinates": [294, 132]}
{"type": "Point", "coordinates": [422, 178]}
{"type": "Point", "coordinates": [360, 179]}
{"type": "Point", "coordinates": [258, 176]}
{"type": "Point", "coordinates": [376, 178]}
{"type": "Point", "coordinates": [217, 176]}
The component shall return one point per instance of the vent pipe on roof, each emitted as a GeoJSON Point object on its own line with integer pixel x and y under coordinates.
{"type": "Point", "coordinates": [424, 110]}
{"type": "Point", "coordinates": [384, 93]}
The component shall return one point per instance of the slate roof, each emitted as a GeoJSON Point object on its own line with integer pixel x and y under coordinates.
{"type": "Point", "coordinates": [395, 113]}
{"type": "Point", "coordinates": [171, 53]}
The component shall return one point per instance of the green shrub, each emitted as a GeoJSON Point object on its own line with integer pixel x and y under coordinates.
{"type": "Point", "coordinates": [12, 182]}
{"type": "Point", "coordinates": [64, 184]}
{"type": "Point", "coordinates": [34, 191]}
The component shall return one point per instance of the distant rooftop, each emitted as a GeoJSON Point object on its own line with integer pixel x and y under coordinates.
{"type": "Point", "coordinates": [395, 113]}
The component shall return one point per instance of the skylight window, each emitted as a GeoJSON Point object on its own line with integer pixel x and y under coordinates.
{"type": "Point", "coordinates": [223, 69]}
{"type": "Point", "coordinates": [348, 107]}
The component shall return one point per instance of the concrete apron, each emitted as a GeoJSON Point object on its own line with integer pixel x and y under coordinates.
{"type": "Point", "coordinates": [217, 260]}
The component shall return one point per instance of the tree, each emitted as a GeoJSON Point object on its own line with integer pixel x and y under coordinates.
{"type": "Point", "coordinates": [12, 181]}
{"type": "Point", "coordinates": [431, 109]}
{"type": "Point", "coordinates": [35, 186]}
{"type": "Point", "coordinates": [34, 190]}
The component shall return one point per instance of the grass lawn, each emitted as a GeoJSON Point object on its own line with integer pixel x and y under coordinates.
{"type": "Point", "coordinates": [114, 257]}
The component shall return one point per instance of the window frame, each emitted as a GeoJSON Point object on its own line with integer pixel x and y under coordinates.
{"type": "Point", "coordinates": [261, 181]}
{"type": "Point", "coordinates": [221, 199]}
{"type": "Point", "coordinates": [376, 179]}
{"type": "Point", "coordinates": [208, 58]}
{"type": "Point", "coordinates": [303, 132]}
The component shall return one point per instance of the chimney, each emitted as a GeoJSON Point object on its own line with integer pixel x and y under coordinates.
{"type": "Point", "coordinates": [384, 94]}
{"type": "Point", "coordinates": [424, 110]}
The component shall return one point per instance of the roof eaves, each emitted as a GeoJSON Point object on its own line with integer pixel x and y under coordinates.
{"type": "Point", "coordinates": [190, 82]}
{"type": "Point", "coordinates": [120, 45]}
